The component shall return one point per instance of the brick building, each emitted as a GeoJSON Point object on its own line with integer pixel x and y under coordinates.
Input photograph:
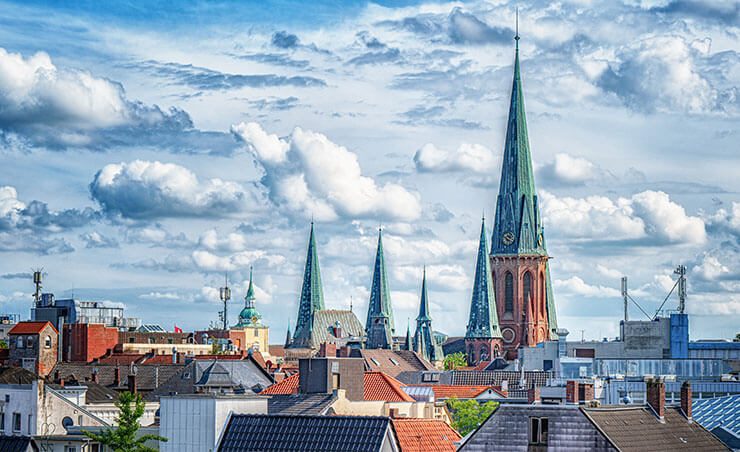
{"type": "Point", "coordinates": [33, 346]}
{"type": "Point", "coordinates": [84, 342]}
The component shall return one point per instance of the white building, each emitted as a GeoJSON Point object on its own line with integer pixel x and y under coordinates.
{"type": "Point", "coordinates": [195, 422]}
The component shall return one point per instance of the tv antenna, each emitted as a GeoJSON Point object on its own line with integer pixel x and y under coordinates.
{"type": "Point", "coordinates": [225, 295]}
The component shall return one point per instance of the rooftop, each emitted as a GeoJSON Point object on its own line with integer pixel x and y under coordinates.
{"type": "Point", "coordinates": [724, 411]}
{"type": "Point", "coordinates": [379, 386]}
{"type": "Point", "coordinates": [30, 327]}
{"type": "Point", "coordinates": [259, 432]}
{"type": "Point", "coordinates": [425, 435]}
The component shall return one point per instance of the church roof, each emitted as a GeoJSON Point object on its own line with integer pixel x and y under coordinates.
{"type": "Point", "coordinates": [483, 320]}
{"type": "Point", "coordinates": [517, 227]}
{"type": "Point", "coordinates": [312, 295]}
{"type": "Point", "coordinates": [380, 294]}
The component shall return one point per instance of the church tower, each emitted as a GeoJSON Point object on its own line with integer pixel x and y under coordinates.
{"type": "Point", "coordinates": [379, 326]}
{"type": "Point", "coordinates": [520, 271]}
{"type": "Point", "coordinates": [424, 342]}
{"type": "Point", "coordinates": [483, 335]}
{"type": "Point", "coordinates": [312, 297]}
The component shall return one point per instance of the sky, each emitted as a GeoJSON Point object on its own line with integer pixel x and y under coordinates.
{"type": "Point", "coordinates": [148, 148]}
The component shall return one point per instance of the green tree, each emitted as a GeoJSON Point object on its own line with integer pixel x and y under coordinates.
{"type": "Point", "coordinates": [737, 337]}
{"type": "Point", "coordinates": [467, 415]}
{"type": "Point", "coordinates": [3, 344]}
{"type": "Point", "coordinates": [123, 438]}
{"type": "Point", "coordinates": [455, 360]}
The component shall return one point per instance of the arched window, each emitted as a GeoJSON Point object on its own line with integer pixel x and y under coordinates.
{"type": "Point", "coordinates": [527, 289]}
{"type": "Point", "coordinates": [508, 292]}
{"type": "Point", "coordinates": [543, 295]}
{"type": "Point", "coordinates": [19, 342]}
{"type": "Point", "coordinates": [47, 342]}
{"type": "Point", "coordinates": [29, 341]}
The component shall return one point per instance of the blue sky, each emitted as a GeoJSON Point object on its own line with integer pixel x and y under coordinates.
{"type": "Point", "coordinates": [146, 150]}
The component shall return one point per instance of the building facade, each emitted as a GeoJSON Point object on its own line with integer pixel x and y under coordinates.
{"type": "Point", "coordinates": [33, 346]}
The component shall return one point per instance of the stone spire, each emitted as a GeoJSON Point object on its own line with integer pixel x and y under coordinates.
{"type": "Point", "coordinates": [379, 325]}
{"type": "Point", "coordinates": [517, 227]}
{"type": "Point", "coordinates": [312, 296]}
{"type": "Point", "coordinates": [424, 342]}
{"type": "Point", "coordinates": [483, 321]}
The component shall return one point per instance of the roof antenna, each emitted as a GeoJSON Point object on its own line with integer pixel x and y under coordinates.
{"type": "Point", "coordinates": [350, 303]}
{"type": "Point", "coordinates": [516, 36]}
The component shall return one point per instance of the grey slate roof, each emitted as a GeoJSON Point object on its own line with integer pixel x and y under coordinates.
{"type": "Point", "coordinates": [148, 376]}
{"type": "Point", "coordinates": [416, 377]}
{"type": "Point", "coordinates": [495, 377]}
{"type": "Point", "coordinates": [277, 433]}
{"type": "Point", "coordinates": [299, 404]}
{"type": "Point", "coordinates": [17, 444]}
{"type": "Point", "coordinates": [216, 375]}
{"type": "Point", "coordinates": [324, 320]}
{"type": "Point", "coordinates": [17, 376]}
{"type": "Point", "coordinates": [379, 360]}
{"type": "Point", "coordinates": [507, 429]}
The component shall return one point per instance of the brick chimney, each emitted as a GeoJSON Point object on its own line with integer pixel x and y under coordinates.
{"type": "Point", "coordinates": [656, 397]}
{"type": "Point", "coordinates": [533, 395]}
{"type": "Point", "coordinates": [328, 350]}
{"type": "Point", "coordinates": [686, 399]}
{"type": "Point", "coordinates": [116, 376]}
{"type": "Point", "coordinates": [132, 383]}
{"type": "Point", "coordinates": [94, 376]}
{"type": "Point", "coordinates": [571, 392]}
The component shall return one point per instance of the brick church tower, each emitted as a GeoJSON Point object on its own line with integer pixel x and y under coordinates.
{"type": "Point", "coordinates": [519, 260]}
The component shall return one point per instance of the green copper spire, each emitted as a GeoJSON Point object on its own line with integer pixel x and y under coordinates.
{"type": "Point", "coordinates": [517, 227]}
{"type": "Point", "coordinates": [287, 336]}
{"type": "Point", "coordinates": [312, 296]}
{"type": "Point", "coordinates": [424, 342]}
{"type": "Point", "coordinates": [380, 311]}
{"type": "Point", "coordinates": [249, 316]}
{"type": "Point", "coordinates": [483, 321]}
{"type": "Point", "coordinates": [407, 342]}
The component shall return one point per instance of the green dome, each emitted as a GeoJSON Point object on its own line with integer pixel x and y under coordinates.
{"type": "Point", "coordinates": [249, 315]}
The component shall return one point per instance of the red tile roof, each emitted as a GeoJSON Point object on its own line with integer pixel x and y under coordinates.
{"type": "Point", "coordinates": [460, 391]}
{"type": "Point", "coordinates": [417, 435]}
{"type": "Point", "coordinates": [30, 327]}
{"type": "Point", "coordinates": [379, 386]}
{"type": "Point", "coordinates": [287, 386]}
{"type": "Point", "coordinates": [482, 365]}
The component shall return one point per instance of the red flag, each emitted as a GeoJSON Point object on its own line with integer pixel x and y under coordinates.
{"type": "Point", "coordinates": [178, 330]}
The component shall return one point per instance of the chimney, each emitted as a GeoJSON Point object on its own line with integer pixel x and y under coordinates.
{"type": "Point", "coordinates": [393, 413]}
{"type": "Point", "coordinates": [686, 399]}
{"type": "Point", "coordinates": [533, 395]}
{"type": "Point", "coordinates": [117, 376]}
{"type": "Point", "coordinates": [656, 397]}
{"type": "Point", "coordinates": [586, 392]}
{"type": "Point", "coordinates": [571, 392]}
{"type": "Point", "coordinates": [132, 383]}
{"type": "Point", "coordinates": [94, 377]}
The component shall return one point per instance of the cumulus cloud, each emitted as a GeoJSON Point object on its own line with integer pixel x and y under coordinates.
{"type": "Point", "coordinates": [648, 218]}
{"type": "Point", "coordinates": [664, 74]}
{"type": "Point", "coordinates": [65, 108]}
{"type": "Point", "coordinates": [207, 261]}
{"type": "Point", "coordinates": [309, 175]}
{"type": "Point", "coordinates": [29, 242]}
{"type": "Point", "coordinates": [35, 216]}
{"type": "Point", "coordinates": [575, 285]}
{"type": "Point", "coordinates": [145, 190]}
{"type": "Point", "coordinates": [157, 235]}
{"type": "Point", "coordinates": [566, 169]}
{"type": "Point", "coordinates": [94, 239]}
{"type": "Point", "coordinates": [474, 158]}
{"type": "Point", "coordinates": [457, 27]}
{"type": "Point", "coordinates": [230, 242]}
{"type": "Point", "coordinates": [284, 40]}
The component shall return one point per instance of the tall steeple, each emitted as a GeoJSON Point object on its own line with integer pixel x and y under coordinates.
{"type": "Point", "coordinates": [483, 320]}
{"type": "Point", "coordinates": [521, 273]}
{"type": "Point", "coordinates": [424, 342]}
{"type": "Point", "coordinates": [249, 316]}
{"type": "Point", "coordinates": [312, 296]}
{"type": "Point", "coordinates": [379, 325]}
{"type": "Point", "coordinates": [407, 341]}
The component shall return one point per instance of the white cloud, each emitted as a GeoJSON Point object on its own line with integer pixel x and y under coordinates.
{"type": "Point", "coordinates": [467, 158]}
{"type": "Point", "coordinates": [576, 285]}
{"type": "Point", "coordinates": [710, 268]}
{"type": "Point", "coordinates": [569, 170]}
{"type": "Point", "coordinates": [648, 215]}
{"type": "Point", "coordinates": [143, 189]}
{"type": "Point", "coordinates": [609, 272]}
{"type": "Point", "coordinates": [442, 276]}
{"type": "Point", "coordinates": [208, 261]}
{"type": "Point", "coordinates": [159, 296]}
{"type": "Point", "coordinates": [231, 242]}
{"type": "Point", "coordinates": [309, 175]}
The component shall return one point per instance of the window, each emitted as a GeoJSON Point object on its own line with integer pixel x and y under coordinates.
{"type": "Point", "coordinates": [29, 341]}
{"type": "Point", "coordinates": [169, 340]}
{"type": "Point", "coordinates": [2, 422]}
{"type": "Point", "coordinates": [151, 340]}
{"type": "Point", "coordinates": [47, 342]}
{"type": "Point", "coordinates": [335, 381]}
{"type": "Point", "coordinates": [19, 342]}
{"type": "Point", "coordinates": [394, 361]}
{"type": "Point", "coordinates": [70, 448]}
{"type": "Point", "coordinates": [538, 429]}
{"type": "Point", "coordinates": [509, 292]}
{"type": "Point", "coordinates": [131, 340]}
{"type": "Point", "coordinates": [527, 287]}
{"type": "Point", "coordinates": [256, 332]}
{"type": "Point", "coordinates": [16, 422]}
{"type": "Point", "coordinates": [95, 448]}
{"type": "Point", "coordinates": [79, 420]}
{"type": "Point", "coordinates": [7, 398]}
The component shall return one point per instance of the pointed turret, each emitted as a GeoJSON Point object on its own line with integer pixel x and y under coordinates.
{"type": "Point", "coordinates": [312, 296]}
{"type": "Point", "coordinates": [483, 321]}
{"type": "Point", "coordinates": [379, 324]}
{"type": "Point", "coordinates": [424, 342]}
{"type": "Point", "coordinates": [518, 253]}
{"type": "Point", "coordinates": [287, 336]}
{"type": "Point", "coordinates": [249, 316]}
{"type": "Point", "coordinates": [517, 227]}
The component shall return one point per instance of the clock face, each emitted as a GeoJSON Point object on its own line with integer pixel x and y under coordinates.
{"type": "Point", "coordinates": [508, 238]}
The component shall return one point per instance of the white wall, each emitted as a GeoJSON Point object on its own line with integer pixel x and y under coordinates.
{"type": "Point", "coordinates": [21, 399]}
{"type": "Point", "coordinates": [193, 423]}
